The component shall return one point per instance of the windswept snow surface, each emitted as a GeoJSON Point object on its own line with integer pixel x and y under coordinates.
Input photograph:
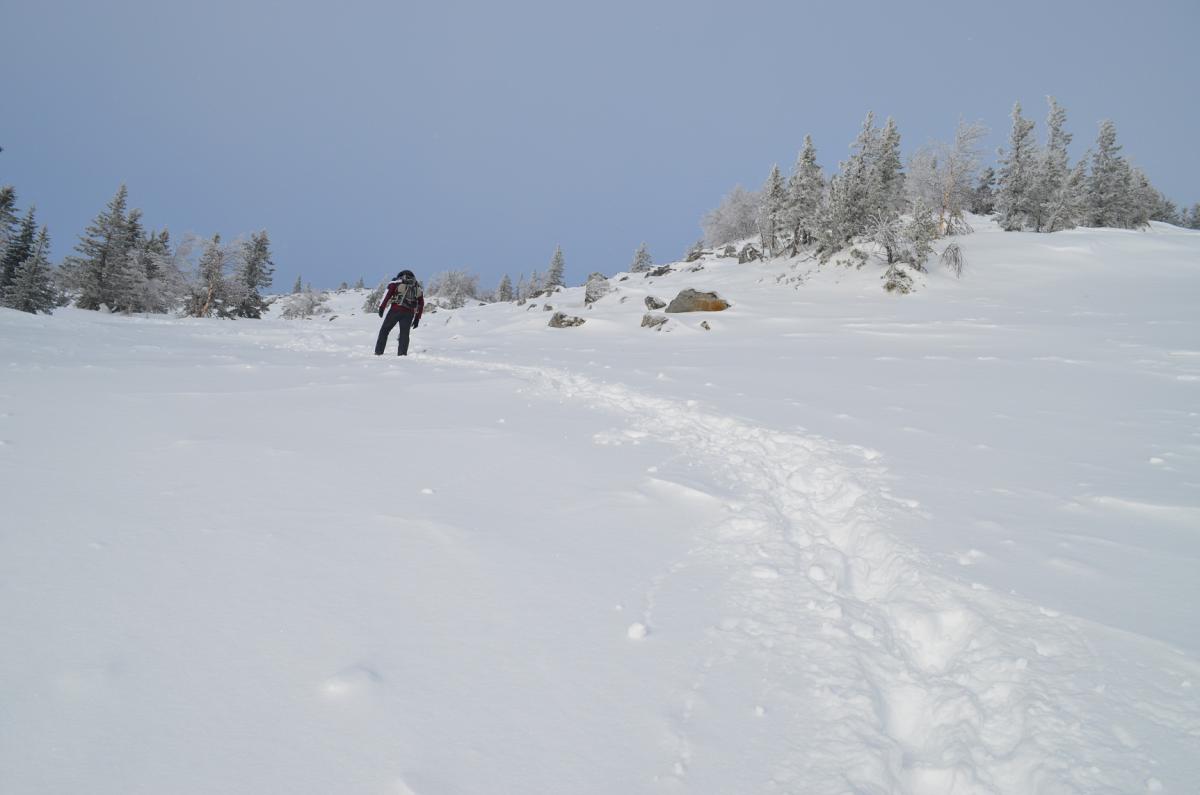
{"type": "Point", "coordinates": [841, 542]}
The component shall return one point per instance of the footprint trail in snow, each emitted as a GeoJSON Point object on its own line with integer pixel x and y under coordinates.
{"type": "Point", "coordinates": [879, 674]}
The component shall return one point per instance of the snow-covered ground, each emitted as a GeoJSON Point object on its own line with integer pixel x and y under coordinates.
{"type": "Point", "coordinates": [843, 541]}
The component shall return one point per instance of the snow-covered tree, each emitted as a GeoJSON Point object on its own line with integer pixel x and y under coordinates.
{"type": "Point", "coordinates": [504, 292]}
{"type": "Point", "coordinates": [1110, 186]}
{"type": "Point", "coordinates": [943, 176]}
{"type": "Point", "coordinates": [359, 285]}
{"type": "Point", "coordinates": [101, 248]}
{"type": "Point", "coordinates": [307, 303]}
{"type": "Point", "coordinates": [1018, 171]}
{"type": "Point", "coordinates": [453, 289]}
{"type": "Point", "coordinates": [773, 214]}
{"type": "Point", "coordinates": [32, 287]}
{"type": "Point", "coordinates": [555, 276]}
{"type": "Point", "coordinates": [213, 291]}
{"type": "Point", "coordinates": [19, 247]}
{"type": "Point", "coordinates": [8, 215]}
{"type": "Point", "coordinates": [805, 188]}
{"type": "Point", "coordinates": [254, 273]}
{"type": "Point", "coordinates": [641, 260]}
{"type": "Point", "coordinates": [298, 287]}
{"type": "Point", "coordinates": [887, 190]}
{"type": "Point", "coordinates": [735, 218]}
{"type": "Point", "coordinates": [1191, 219]}
{"type": "Point", "coordinates": [983, 197]}
{"type": "Point", "coordinates": [1051, 204]}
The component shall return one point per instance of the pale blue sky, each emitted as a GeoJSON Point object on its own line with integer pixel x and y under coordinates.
{"type": "Point", "coordinates": [366, 136]}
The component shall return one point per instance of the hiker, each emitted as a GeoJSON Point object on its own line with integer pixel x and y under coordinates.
{"type": "Point", "coordinates": [404, 302]}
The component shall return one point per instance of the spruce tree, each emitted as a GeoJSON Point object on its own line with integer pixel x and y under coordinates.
{"type": "Point", "coordinates": [298, 287]}
{"type": "Point", "coordinates": [1018, 164]}
{"type": "Point", "coordinates": [1191, 219]}
{"type": "Point", "coordinates": [254, 274]}
{"type": "Point", "coordinates": [99, 249]}
{"type": "Point", "coordinates": [773, 222]}
{"type": "Point", "coordinates": [32, 287]}
{"type": "Point", "coordinates": [983, 199]}
{"type": "Point", "coordinates": [1110, 185]}
{"type": "Point", "coordinates": [887, 189]}
{"type": "Point", "coordinates": [805, 188]}
{"type": "Point", "coordinates": [859, 178]}
{"type": "Point", "coordinates": [1049, 204]}
{"type": "Point", "coordinates": [505, 291]}
{"type": "Point", "coordinates": [19, 247]}
{"type": "Point", "coordinates": [8, 215]}
{"type": "Point", "coordinates": [641, 260]}
{"type": "Point", "coordinates": [555, 277]}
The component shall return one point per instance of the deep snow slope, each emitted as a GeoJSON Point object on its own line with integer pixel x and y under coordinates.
{"type": "Point", "coordinates": [842, 541]}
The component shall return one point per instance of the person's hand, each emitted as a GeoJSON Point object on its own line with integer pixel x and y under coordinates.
{"type": "Point", "coordinates": [381, 311]}
{"type": "Point", "coordinates": [416, 320]}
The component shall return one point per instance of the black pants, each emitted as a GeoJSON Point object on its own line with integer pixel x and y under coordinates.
{"type": "Point", "coordinates": [404, 317]}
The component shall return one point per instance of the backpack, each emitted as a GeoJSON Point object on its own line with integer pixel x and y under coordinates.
{"type": "Point", "coordinates": [407, 295]}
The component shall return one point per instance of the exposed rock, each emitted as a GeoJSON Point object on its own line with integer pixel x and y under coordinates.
{"type": "Point", "coordinates": [563, 320]}
{"type": "Point", "coordinates": [704, 325]}
{"type": "Point", "coordinates": [655, 322]}
{"type": "Point", "coordinates": [596, 288]}
{"type": "Point", "coordinates": [662, 270]}
{"type": "Point", "coordinates": [748, 254]}
{"type": "Point", "coordinates": [654, 303]}
{"type": "Point", "coordinates": [729, 251]}
{"type": "Point", "coordinates": [690, 300]}
{"type": "Point", "coordinates": [547, 308]}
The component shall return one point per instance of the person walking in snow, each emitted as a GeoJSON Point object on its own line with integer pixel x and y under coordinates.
{"type": "Point", "coordinates": [404, 303]}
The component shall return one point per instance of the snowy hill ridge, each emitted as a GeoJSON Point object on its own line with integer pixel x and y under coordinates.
{"type": "Point", "coordinates": [841, 541]}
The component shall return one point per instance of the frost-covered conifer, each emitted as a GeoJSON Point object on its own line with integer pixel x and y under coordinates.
{"type": "Point", "coordinates": [858, 199]}
{"type": "Point", "coordinates": [1050, 202]}
{"type": "Point", "coordinates": [254, 274]}
{"type": "Point", "coordinates": [298, 287]}
{"type": "Point", "coordinates": [1191, 218]}
{"type": "Point", "coordinates": [805, 189]}
{"type": "Point", "coordinates": [32, 288]}
{"type": "Point", "coordinates": [102, 246]}
{"type": "Point", "coordinates": [641, 260]}
{"type": "Point", "coordinates": [505, 291]}
{"type": "Point", "coordinates": [1016, 181]}
{"type": "Point", "coordinates": [358, 285]}
{"type": "Point", "coordinates": [983, 198]}
{"type": "Point", "coordinates": [555, 277]}
{"type": "Point", "coordinates": [8, 215]}
{"type": "Point", "coordinates": [888, 180]}
{"type": "Point", "coordinates": [19, 248]}
{"type": "Point", "coordinates": [1110, 186]}
{"type": "Point", "coordinates": [773, 221]}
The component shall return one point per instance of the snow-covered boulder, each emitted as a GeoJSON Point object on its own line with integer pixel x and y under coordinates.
{"type": "Point", "coordinates": [748, 254]}
{"type": "Point", "coordinates": [655, 322]}
{"type": "Point", "coordinates": [653, 303]}
{"type": "Point", "coordinates": [563, 320]}
{"type": "Point", "coordinates": [690, 300]}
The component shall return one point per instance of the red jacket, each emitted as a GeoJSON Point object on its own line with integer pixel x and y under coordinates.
{"type": "Point", "coordinates": [393, 296]}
